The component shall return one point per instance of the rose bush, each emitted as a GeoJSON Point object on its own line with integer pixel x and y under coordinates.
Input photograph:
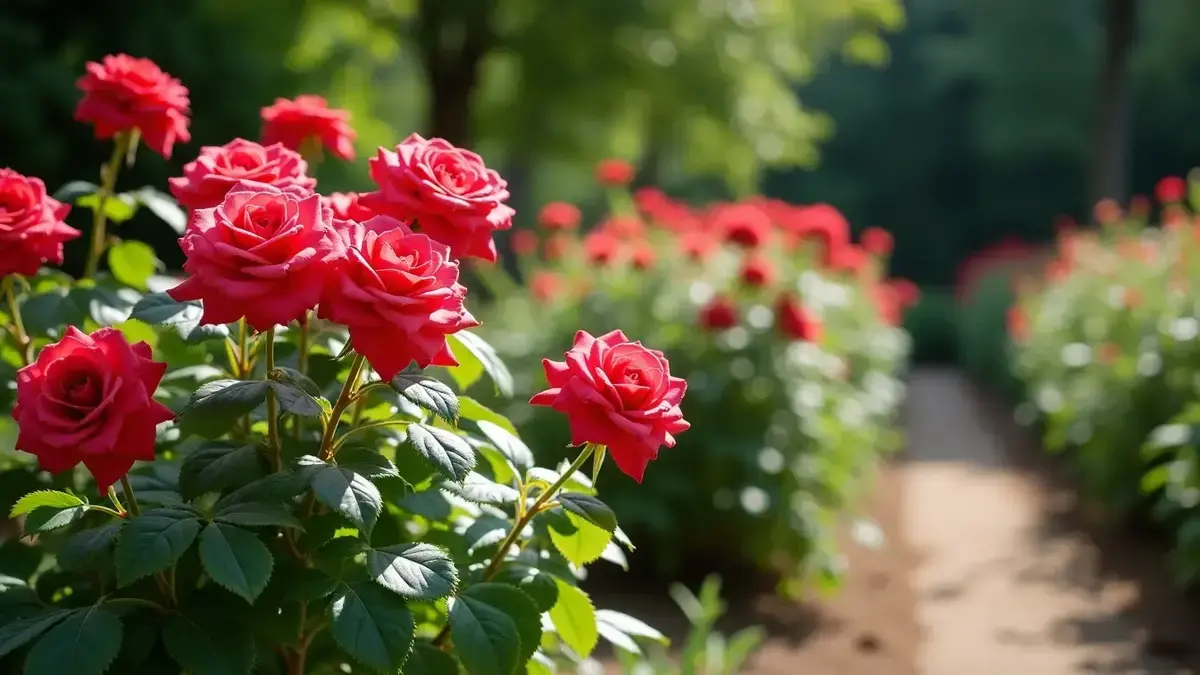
{"type": "Point", "coordinates": [785, 331]}
{"type": "Point", "coordinates": [1105, 346]}
{"type": "Point", "coordinates": [272, 464]}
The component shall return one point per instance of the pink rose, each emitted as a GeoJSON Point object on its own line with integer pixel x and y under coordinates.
{"type": "Point", "coordinates": [346, 206]}
{"type": "Point", "coordinates": [121, 93]}
{"type": "Point", "coordinates": [618, 394]}
{"type": "Point", "coordinates": [89, 398]}
{"type": "Point", "coordinates": [448, 191]}
{"type": "Point", "coordinates": [309, 116]}
{"type": "Point", "coordinates": [265, 253]}
{"type": "Point", "coordinates": [398, 294]}
{"type": "Point", "coordinates": [32, 230]}
{"type": "Point", "coordinates": [218, 168]}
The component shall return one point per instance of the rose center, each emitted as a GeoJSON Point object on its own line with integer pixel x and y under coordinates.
{"type": "Point", "coordinates": [81, 389]}
{"type": "Point", "coordinates": [243, 162]}
{"type": "Point", "coordinates": [454, 177]}
{"type": "Point", "coordinates": [263, 220]}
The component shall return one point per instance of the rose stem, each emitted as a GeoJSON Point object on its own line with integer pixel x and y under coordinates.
{"type": "Point", "coordinates": [343, 401]}
{"type": "Point", "coordinates": [108, 182]}
{"type": "Point", "coordinates": [112, 495]}
{"type": "Point", "coordinates": [18, 328]}
{"type": "Point", "coordinates": [522, 522]}
{"type": "Point", "coordinates": [134, 508]}
{"type": "Point", "coordinates": [302, 366]}
{"type": "Point", "coordinates": [272, 403]}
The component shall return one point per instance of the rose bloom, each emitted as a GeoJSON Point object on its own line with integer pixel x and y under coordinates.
{"type": "Point", "coordinates": [1017, 324]}
{"type": "Point", "coordinates": [398, 294]}
{"type": "Point", "coordinates": [847, 258]}
{"type": "Point", "coordinates": [744, 224]}
{"type": "Point", "coordinates": [698, 245]}
{"type": "Point", "coordinates": [559, 216]}
{"type": "Point", "coordinates": [887, 305]}
{"type": "Point", "coordinates": [557, 245]}
{"type": "Point", "coordinates": [448, 191]}
{"type": "Point", "coordinates": [32, 230]}
{"type": "Point", "coordinates": [719, 314]}
{"type": "Point", "coordinates": [1107, 211]}
{"type": "Point", "coordinates": [218, 168]}
{"type": "Point", "coordinates": [545, 286]}
{"type": "Point", "coordinates": [757, 271]}
{"type": "Point", "coordinates": [614, 172]}
{"type": "Point", "coordinates": [265, 253]}
{"type": "Point", "coordinates": [642, 255]}
{"type": "Point", "coordinates": [1171, 189]}
{"type": "Point", "coordinates": [293, 122]}
{"type": "Point", "coordinates": [121, 93]}
{"type": "Point", "coordinates": [600, 247]}
{"type": "Point", "coordinates": [651, 201]}
{"type": "Point", "coordinates": [624, 227]}
{"type": "Point", "coordinates": [524, 242]}
{"type": "Point", "coordinates": [877, 241]}
{"type": "Point", "coordinates": [796, 321]}
{"type": "Point", "coordinates": [823, 224]}
{"type": "Point", "coordinates": [89, 398]}
{"type": "Point", "coordinates": [618, 394]}
{"type": "Point", "coordinates": [346, 206]}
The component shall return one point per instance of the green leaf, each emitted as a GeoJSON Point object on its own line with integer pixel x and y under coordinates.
{"type": "Point", "coordinates": [507, 443]}
{"type": "Point", "coordinates": [293, 399]}
{"type": "Point", "coordinates": [216, 407]}
{"type": "Point", "coordinates": [366, 462]}
{"type": "Point", "coordinates": [307, 585]}
{"type": "Point", "coordinates": [217, 467]}
{"type": "Point", "coordinates": [274, 487]}
{"type": "Point", "coordinates": [475, 411]}
{"type": "Point", "coordinates": [15, 633]}
{"type": "Point", "coordinates": [85, 643]}
{"type": "Point", "coordinates": [300, 380]}
{"type": "Point", "coordinates": [350, 494]}
{"type": "Point", "coordinates": [537, 584]}
{"type": "Point", "coordinates": [629, 626]}
{"type": "Point", "coordinates": [574, 618]}
{"type": "Point", "coordinates": [590, 509]}
{"type": "Point", "coordinates": [417, 571]}
{"type": "Point", "coordinates": [73, 190]}
{"type": "Point", "coordinates": [495, 629]}
{"type": "Point", "coordinates": [159, 309]}
{"type": "Point", "coordinates": [46, 518]}
{"type": "Point", "coordinates": [117, 208]}
{"type": "Point", "coordinates": [432, 395]}
{"type": "Point", "coordinates": [444, 450]}
{"type": "Point", "coordinates": [236, 559]}
{"type": "Point", "coordinates": [163, 206]}
{"type": "Point", "coordinates": [483, 490]}
{"type": "Point", "coordinates": [89, 549]}
{"type": "Point", "coordinates": [475, 356]}
{"type": "Point", "coordinates": [44, 498]}
{"type": "Point", "coordinates": [426, 659]}
{"type": "Point", "coordinates": [132, 263]}
{"type": "Point", "coordinates": [582, 546]}
{"type": "Point", "coordinates": [372, 625]}
{"type": "Point", "coordinates": [214, 648]}
{"type": "Point", "coordinates": [150, 542]}
{"type": "Point", "coordinates": [257, 514]}
{"type": "Point", "coordinates": [50, 311]}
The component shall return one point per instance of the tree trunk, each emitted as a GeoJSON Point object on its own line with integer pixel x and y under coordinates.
{"type": "Point", "coordinates": [454, 37]}
{"type": "Point", "coordinates": [1110, 159]}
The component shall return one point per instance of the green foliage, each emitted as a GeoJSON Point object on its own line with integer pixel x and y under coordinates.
{"type": "Point", "coordinates": [932, 323]}
{"type": "Point", "coordinates": [983, 341]}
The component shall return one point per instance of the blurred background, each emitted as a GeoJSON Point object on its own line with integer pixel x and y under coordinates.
{"type": "Point", "coordinates": [953, 123]}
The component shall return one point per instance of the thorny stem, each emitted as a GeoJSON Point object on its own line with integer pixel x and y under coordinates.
{"type": "Point", "coordinates": [343, 401]}
{"type": "Point", "coordinates": [302, 366]}
{"type": "Point", "coordinates": [130, 497]}
{"type": "Point", "coordinates": [108, 182]}
{"type": "Point", "coordinates": [522, 522]}
{"type": "Point", "coordinates": [24, 342]}
{"type": "Point", "coordinates": [273, 445]}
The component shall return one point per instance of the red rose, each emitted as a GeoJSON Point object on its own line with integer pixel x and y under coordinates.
{"type": "Point", "coordinates": [32, 230]}
{"type": "Point", "coordinates": [89, 398]}
{"type": "Point", "coordinates": [822, 223]}
{"type": "Point", "coordinates": [698, 245]}
{"type": "Point", "coordinates": [796, 321]}
{"type": "Point", "coordinates": [651, 201]}
{"type": "Point", "coordinates": [121, 93]}
{"type": "Point", "coordinates": [559, 216]}
{"type": "Point", "coordinates": [1171, 189]}
{"type": "Point", "coordinates": [718, 314]}
{"type": "Point", "coordinates": [847, 258]}
{"type": "Point", "coordinates": [448, 191]}
{"type": "Point", "coordinates": [265, 253]}
{"type": "Point", "coordinates": [624, 227]}
{"type": "Point", "coordinates": [399, 295]}
{"type": "Point", "coordinates": [742, 224]}
{"type": "Point", "coordinates": [545, 286]}
{"type": "Point", "coordinates": [218, 168]}
{"type": "Point", "coordinates": [346, 206]}
{"type": "Point", "coordinates": [877, 241]}
{"type": "Point", "coordinates": [524, 242]}
{"type": "Point", "coordinates": [614, 172]}
{"type": "Point", "coordinates": [558, 245]}
{"type": "Point", "coordinates": [618, 394]}
{"type": "Point", "coordinates": [293, 122]}
{"type": "Point", "coordinates": [600, 247]}
{"type": "Point", "coordinates": [1107, 211]}
{"type": "Point", "coordinates": [757, 271]}
{"type": "Point", "coordinates": [642, 255]}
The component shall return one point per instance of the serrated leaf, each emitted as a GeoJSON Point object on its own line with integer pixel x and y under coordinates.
{"type": "Point", "coordinates": [89, 549]}
{"type": "Point", "coordinates": [507, 443]}
{"type": "Point", "coordinates": [215, 468]}
{"type": "Point", "coordinates": [46, 518]}
{"type": "Point", "coordinates": [117, 208]}
{"type": "Point", "coordinates": [51, 498]}
{"type": "Point", "coordinates": [582, 546]}
{"type": "Point", "coordinates": [429, 393]}
{"type": "Point", "coordinates": [257, 514]}
{"type": "Point", "coordinates": [159, 309]}
{"type": "Point", "coordinates": [469, 408]}
{"type": "Point", "coordinates": [84, 643]}
{"type": "Point", "coordinates": [217, 406]}
{"type": "Point", "coordinates": [475, 356]}
{"type": "Point", "coordinates": [444, 450]}
{"type": "Point", "coordinates": [274, 487]}
{"type": "Point", "coordinates": [236, 559]}
{"type": "Point", "coordinates": [483, 490]}
{"type": "Point", "coordinates": [590, 509]}
{"type": "Point", "coordinates": [293, 399]}
{"type": "Point", "coordinates": [495, 628]}
{"type": "Point", "coordinates": [426, 659]}
{"type": "Point", "coordinates": [307, 585]}
{"type": "Point", "coordinates": [574, 618]}
{"type": "Point", "coordinates": [214, 648]}
{"type": "Point", "coordinates": [163, 206]}
{"type": "Point", "coordinates": [367, 463]}
{"type": "Point", "coordinates": [150, 542]}
{"type": "Point", "coordinates": [16, 633]}
{"type": "Point", "coordinates": [417, 571]}
{"type": "Point", "coordinates": [132, 262]}
{"type": "Point", "coordinates": [350, 494]}
{"type": "Point", "coordinates": [537, 584]}
{"type": "Point", "coordinates": [300, 380]}
{"type": "Point", "coordinates": [372, 625]}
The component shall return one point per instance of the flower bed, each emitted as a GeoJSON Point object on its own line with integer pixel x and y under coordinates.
{"type": "Point", "coordinates": [787, 334]}
{"type": "Point", "coordinates": [1106, 350]}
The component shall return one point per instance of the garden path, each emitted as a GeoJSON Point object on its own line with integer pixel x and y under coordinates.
{"type": "Point", "coordinates": [1001, 589]}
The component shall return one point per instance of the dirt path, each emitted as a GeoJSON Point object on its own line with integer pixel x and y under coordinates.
{"type": "Point", "coordinates": [999, 591]}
